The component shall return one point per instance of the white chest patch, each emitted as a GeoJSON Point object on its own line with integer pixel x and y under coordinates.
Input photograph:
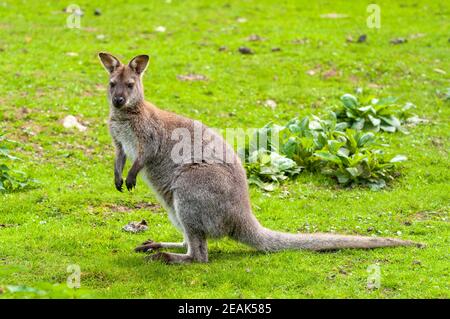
{"type": "Point", "coordinates": [125, 135]}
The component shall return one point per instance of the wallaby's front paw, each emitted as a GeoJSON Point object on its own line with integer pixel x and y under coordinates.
{"type": "Point", "coordinates": [130, 182]}
{"type": "Point", "coordinates": [119, 183]}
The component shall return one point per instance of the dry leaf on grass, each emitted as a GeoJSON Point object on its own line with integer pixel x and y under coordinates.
{"type": "Point", "coordinates": [417, 35]}
{"type": "Point", "coordinates": [254, 38]}
{"type": "Point", "coordinates": [329, 74]}
{"type": "Point", "coordinates": [333, 16]}
{"type": "Point", "coordinates": [136, 227]}
{"type": "Point", "coordinates": [398, 41]}
{"type": "Point", "coordinates": [192, 77]}
{"type": "Point", "coordinates": [270, 103]}
{"type": "Point", "coordinates": [439, 71]}
{"type": "Point", "coordinates": [71, 121]}
{"type": "Point", "coordinates": [300, 41]}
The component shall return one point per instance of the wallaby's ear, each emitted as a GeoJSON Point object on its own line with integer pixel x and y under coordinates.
{"type": "Point", "coordinates": [111, 63]}
{"type": "Point", "coordinates": [139, 64]}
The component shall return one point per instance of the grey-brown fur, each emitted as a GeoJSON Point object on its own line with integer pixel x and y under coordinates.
{"type": "Point", "coordinates": [205, 198]}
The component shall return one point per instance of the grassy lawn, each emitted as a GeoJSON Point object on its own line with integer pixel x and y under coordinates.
{"type": "Point", "coordinates": [49, 71]}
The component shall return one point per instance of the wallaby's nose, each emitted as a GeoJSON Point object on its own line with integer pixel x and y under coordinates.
{"type": "Point", "coordinates": [118, 101]}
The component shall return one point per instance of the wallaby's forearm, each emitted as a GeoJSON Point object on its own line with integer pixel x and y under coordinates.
{"type": "Point", "coordinates": [137, 166]}
{"type": "Point", "coordinates": [119, 164]}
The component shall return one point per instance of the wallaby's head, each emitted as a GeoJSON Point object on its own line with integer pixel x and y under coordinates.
{"type": "Point", "coordinates": [125, 81]}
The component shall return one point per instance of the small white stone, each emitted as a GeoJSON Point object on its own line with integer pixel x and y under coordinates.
{"type": "Point", "coordinates": [160, 29]}
{"type": "Point", "coordinates": [271, 103]}
{"type": "Point", "coordinates": [71, 121]}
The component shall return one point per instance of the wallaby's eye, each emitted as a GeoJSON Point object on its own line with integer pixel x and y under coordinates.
{"type": "Point", "coordinates": [130, 85]}
{"type": "Point", "coordinates": [112, 84]}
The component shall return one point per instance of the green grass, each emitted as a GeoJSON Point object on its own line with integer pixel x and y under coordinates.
{"type": "Point", "coordinates": [83, 213]}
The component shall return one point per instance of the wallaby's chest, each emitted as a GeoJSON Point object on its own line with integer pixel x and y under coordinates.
{"type": "Point", "coordinates": [125, 135]}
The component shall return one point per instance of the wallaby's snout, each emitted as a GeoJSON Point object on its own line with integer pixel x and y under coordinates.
{"type": "Point", "coordinates": [118, 101]}
{"type": "Point", "coordinates": [125, 83]}
{"type": "Point", "coordinates": [118, 93]}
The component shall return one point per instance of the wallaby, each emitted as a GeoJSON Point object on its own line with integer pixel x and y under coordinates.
{"type": "Point", "coordinates": [204, 197]}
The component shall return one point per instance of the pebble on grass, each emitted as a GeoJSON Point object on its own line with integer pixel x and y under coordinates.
{"type": "Point", "coordinates": [245, 50]}
{"type": "Point", "coordinates": [398, 41]}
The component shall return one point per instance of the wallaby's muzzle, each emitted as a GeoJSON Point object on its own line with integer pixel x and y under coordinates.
{"type": "Point", "coordinates": [118, 101]}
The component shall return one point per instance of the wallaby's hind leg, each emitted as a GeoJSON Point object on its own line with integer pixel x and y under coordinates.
{"type": "Point", "coordinates": [197, 251]}
{"type": "Point", "coordinates": [150, 245]}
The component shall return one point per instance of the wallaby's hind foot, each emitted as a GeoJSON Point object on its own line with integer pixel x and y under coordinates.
{"type": "Point", "coordinates": [150, 246]}
{"type": "Point", "coordinates": [197, 250]}
{"type": "Point", "coordinates": [171, 258]}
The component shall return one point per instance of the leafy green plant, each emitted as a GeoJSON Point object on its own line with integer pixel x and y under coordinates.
{"type": "Point", "coordinates": [11, 180]}
{"type": "Point", "coordinates": [373, 114]}
{"type": "Point", "coordinates": [304, 137]}
{"type": "Point", "coordinates": [352, 159]}
{"type": "Point", "coordinates": [326, 145]}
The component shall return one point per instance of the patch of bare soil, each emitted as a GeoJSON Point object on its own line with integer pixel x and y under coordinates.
{"type": "Point", "coordinates": [7, 225]}
{"type": "Point", "coordinates": [121, 208]}
{"type": "Point", "coordinates": [192, 77]}
{"type": "Point", "coordinates": [431, 215]}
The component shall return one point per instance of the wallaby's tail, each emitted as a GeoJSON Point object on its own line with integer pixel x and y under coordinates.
{"type": "Point", "coordinates": [254, 235]}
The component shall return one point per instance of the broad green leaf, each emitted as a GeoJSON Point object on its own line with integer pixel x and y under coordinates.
{"type": "Point", "coordinates": [321, 140]}
{"type": "Point", "coordinates": [365, 109]}
{"type": "Point", "coordinates": [342, 178]}
{"type": "Point", "coordinates": [377, 185]}
{"type": "Point", "coordinates": [365, 138]}
{"type": "Point", "coordinates": [314, 125]}
{"type": "Point", "coordinates": [290, 147]}
{"type": "Point", "coordinates": [374, 121]}
{"type": "Point", "coordinates": [385, 128]}
{"type": "Point", "coordinates": [344, 152]}
{"type": "Point", "coordinates": [333, 146]}
{"type": "Point", "coordinates": [349, 101]}
{"type": "Point", "coordinates": [353, 171]}
{"type": "Point", "coordinates": [327, 156]}
{"type": "Point", "coordinates": [358, 124]}
{"type": "Point", "coordinates": [304, 123]}
{"type": "Point", "coordinates": [351, 114]}
{"type": "Point", "coordinates": [392, 121]}
{"type": "Point", "coordinates": [341, 126]}
{"type": "Point", "coordinates": [351, 139]}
